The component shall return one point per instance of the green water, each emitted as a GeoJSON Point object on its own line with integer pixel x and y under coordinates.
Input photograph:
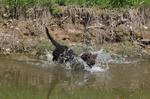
{"type": "Point", "coordinates": [34, 79]}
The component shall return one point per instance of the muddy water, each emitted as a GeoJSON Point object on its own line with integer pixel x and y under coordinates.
{"type": "Point", "coordinates": [35, 79]}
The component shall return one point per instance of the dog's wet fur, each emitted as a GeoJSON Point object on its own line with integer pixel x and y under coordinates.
{"type": "Point", "coordinates": [89, 58]}
{"type": "Point", "coordinates": [63, 53]}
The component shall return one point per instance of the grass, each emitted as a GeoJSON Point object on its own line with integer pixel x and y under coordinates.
{"type": "Point", "coordinates": [45, 45]}
{"type": "Point", "coordinates": [50, 3]}
{"type": "Point", "coordinates": [55, 5]}
{"type": "Point", "coordinates": [126, 48]}
{"type": "Point", "coordinates": [42, 48]}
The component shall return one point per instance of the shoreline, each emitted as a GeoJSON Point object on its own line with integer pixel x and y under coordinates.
{"type": "Point", "coordinates": [121, 31]}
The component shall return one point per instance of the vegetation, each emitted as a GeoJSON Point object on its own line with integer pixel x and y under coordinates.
{"type": "Point", "coordinates": [55, 10]}
{"type": "Point", "coordinates": [45, 45]}
{"type": "Point", "coordinates": [53, 3]}
{"type": "Point", "coordinates": [127, 48]}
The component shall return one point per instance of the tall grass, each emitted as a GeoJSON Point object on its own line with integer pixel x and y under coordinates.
{"type": "Point", "coordinates": [55, 5]}
{"type": "Point", "coordinates": [106, 3]}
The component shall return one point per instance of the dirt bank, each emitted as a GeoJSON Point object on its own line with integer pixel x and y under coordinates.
{"type": "Point", "coordinates": [124, 28]}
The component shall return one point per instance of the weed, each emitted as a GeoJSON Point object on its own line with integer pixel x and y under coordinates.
{"type": "Point", "coordinates": [126, 48]}
{"type": "Point", "coordinates": [107, 3]}
{"type": "Point", "coordinates": [43, 47]}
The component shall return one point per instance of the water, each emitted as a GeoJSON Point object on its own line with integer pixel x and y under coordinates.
{"type": "Point", "coordinates": [102, 60]}
{"type": "Point", "coordinates": [23, 78]}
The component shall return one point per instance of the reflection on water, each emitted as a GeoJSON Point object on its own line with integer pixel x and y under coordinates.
{"type": "Point", "coordinates": [31, 80]}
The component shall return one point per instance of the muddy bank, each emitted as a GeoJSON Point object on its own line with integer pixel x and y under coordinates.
{"type": "Point", "coordinates": [124, 31]}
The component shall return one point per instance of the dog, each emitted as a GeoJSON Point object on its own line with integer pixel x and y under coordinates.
{"type": "Point", "coordinates": [63, 53]}
{"type": "Point", "coordinates": [89, 58]}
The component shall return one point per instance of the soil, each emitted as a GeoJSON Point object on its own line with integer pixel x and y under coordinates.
{"type": "Point", "coordinates": [79, 25]}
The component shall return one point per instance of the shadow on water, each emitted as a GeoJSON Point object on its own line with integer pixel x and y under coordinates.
{"type": "Point", "coordinates": [31, 80]}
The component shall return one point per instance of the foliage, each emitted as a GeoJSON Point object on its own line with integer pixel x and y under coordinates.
{"type": "Point", "coordinates": [50, 3]}
{"type": "Point", "coordinates": [55, 9]}
{"type": "Point", "coordinates": [120, 3]}
{"type": "Point", "coordinates": [55, 5]}
{"type": "Point", "coordinates": [45, 45]}
{"type": "Point", "coordinates": [128, 49]}
{"type": "Point", "coordinates": [127, 3]}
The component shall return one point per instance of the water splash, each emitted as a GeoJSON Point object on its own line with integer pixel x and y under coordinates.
{"type": "Point", "coordinates": [103, 59]}
{"type": "Point", "coordinates": [101, 63]}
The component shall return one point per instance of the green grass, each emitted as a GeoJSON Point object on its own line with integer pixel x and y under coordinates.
{"type": "Point", "coordinates": [50, 3]}
{"type": "Point", "coordinates": [126, 48]}
{"type": "Point", "coordinates": [55, 5]}
{"type": "Point", "coordinates": [42, 48]}
{"type": "Point", "coordinates": [45, 45]}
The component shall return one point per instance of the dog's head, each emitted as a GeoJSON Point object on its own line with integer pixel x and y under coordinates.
{"type": "Point", "coordinates": [89, 58]}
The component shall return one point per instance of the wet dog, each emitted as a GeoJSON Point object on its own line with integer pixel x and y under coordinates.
{"type": "Point", "coordinates": [63, 53]}
{"type": "Point", "coordinates": [89, 58]}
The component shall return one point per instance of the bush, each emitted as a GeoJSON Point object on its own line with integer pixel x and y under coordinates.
{"type": "Point", "coordinates": [55, 9]}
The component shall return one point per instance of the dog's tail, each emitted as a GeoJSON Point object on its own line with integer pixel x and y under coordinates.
{"type": "Point", "coordinates": [55, 43]}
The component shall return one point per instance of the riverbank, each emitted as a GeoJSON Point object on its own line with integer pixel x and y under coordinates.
{"type": "Point", "coordinates": [125, 31]}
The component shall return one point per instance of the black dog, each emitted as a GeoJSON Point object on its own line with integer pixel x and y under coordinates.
{"type": "Point", "coordinates": [63, 53]}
